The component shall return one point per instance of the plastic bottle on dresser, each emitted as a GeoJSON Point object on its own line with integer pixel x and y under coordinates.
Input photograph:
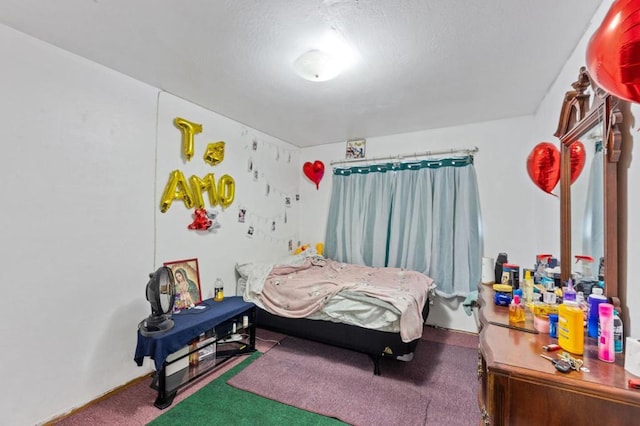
{"type": "Point", "coordinates": [606, 350]}
{"type": "Point", "coordinates": [594, 299]}
{"type": "Point", "coordinates": [550, 293]}
{"type": "Point", "coordinates": [516, 312]}
{"type": "Point", "coordinates": [584, 307]}
{"type": "Point", "coordinates": [617, 332]}
{"type": "Point", "coordinates": [527, 287]}
{"type": "Point", "coordinates": [553, 325]}
{"type": "Point", "coordinates": [570, 323]}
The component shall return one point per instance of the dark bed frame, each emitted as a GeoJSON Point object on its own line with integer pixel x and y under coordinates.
{"type": "Point", "coordinates": [376, 344]}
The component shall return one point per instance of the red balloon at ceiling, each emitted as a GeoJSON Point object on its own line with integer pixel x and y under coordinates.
{"type": "Point", "coordinates": [613, 52]}
{"type": "Point", "coordinates": [543, 166]}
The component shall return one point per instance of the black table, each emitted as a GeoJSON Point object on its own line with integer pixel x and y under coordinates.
{"type": "Point", "coordinates": [225, 318]}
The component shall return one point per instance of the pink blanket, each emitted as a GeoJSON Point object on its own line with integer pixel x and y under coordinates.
{"type": "Point", "coordinates": [301, 290]}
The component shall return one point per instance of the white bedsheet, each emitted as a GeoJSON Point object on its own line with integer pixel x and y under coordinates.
{"type": "Point", "coordinates": [352, 304]}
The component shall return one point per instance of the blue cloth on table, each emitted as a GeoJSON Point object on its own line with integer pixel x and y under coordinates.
{"type": "Point", "coordinates": [189, 324]}
{"type": "Point", "coordinates": [470, 302]}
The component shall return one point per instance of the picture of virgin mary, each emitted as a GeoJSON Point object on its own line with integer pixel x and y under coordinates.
{"type": "Point", "coordinates": [186, 282]}
{"type": "Point", "coordinates": [188, 289]}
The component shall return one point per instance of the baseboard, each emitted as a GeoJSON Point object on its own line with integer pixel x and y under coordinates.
{"type": "Point", "coordinates": [99, 399]}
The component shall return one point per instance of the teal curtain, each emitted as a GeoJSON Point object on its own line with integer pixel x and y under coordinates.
{"type": "Point", "coordinates": [421, 215]}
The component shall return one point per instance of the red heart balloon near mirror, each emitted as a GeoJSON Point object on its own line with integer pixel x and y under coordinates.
{"type": "Point", "coordinates": [613, 52]}
{"type": "Point", "coordinates": [314, 171]}
{"type": "Point", "coordinates": [578, 156]}
{"type": "Point", "coordinates": [543, 166]}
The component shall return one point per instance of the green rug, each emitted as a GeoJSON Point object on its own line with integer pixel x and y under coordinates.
{"type": "Point", "coordinates": [220, 404]}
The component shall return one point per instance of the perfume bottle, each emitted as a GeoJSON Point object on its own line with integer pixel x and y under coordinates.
{"type": "Point", "coordinates": [516, 312]}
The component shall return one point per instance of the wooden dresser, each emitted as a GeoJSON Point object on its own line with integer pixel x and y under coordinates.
{"type": "Point", "coordinates": [518, 387]}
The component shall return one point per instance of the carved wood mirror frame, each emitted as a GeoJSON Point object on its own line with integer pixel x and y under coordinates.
{"type": "Point", "coordinates": [577, 117]}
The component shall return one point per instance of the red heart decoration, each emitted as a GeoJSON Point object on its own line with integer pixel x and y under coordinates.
{"type": "Point", "coordinates": [578, 156]}
{"type": "Point", "coordinates": [314, 171]}
{"type": "Point", "coordinates": [543, 166]}
{"type": "Point", "coordinates": [613, 52]}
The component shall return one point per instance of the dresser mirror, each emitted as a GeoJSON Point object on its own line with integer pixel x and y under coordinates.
{"type": "Point", "coordinates": [591, 116]}
{"type": "Point", "coordinates": [587, 203]}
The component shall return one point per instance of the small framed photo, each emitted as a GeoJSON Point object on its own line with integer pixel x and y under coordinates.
{"type": "Point", "coordinates": [187, 281]}
{"type": "Point", "coordinates": [356, 148]}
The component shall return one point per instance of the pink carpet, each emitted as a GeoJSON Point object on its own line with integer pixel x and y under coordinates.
{"type": "Point", "coordinates": [439, 386]}
{"type": "Point", "coordinates": [133, 405]}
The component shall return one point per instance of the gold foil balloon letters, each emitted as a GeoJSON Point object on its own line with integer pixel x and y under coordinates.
{"type": "Point", "coordinates": [176, 189]}
{"type": "Point", "coordinates": [198, 185]}
{"type": "Point", "coordinates": [226, 190]}
{"type": "Point", "coordinates": [188, 129]}
{"type": "Point", "coordinates": [214, 154]}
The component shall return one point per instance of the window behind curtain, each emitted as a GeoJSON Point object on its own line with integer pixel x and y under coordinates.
{"type": "Point", "coordinates": [422, 215]}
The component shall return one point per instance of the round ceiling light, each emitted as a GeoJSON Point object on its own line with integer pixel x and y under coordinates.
{"type": "Point", "coordinates": [316, 65]}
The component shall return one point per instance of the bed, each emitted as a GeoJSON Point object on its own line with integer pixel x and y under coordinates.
{"type": "Point", "coordinates": [377, 311]}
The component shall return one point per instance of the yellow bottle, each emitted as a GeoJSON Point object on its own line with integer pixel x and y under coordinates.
{"type": "Point", "coordinates": [527, 285]}
{"type": "Point", "coordinates": [218, 291]}
{"type": "Point", "coordinates": [516, 312]}
{"type": "Point", "coordinates": [571, 327]}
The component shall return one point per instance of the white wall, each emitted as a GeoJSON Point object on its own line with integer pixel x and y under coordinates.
{"type": "Point", "coordinates": [277, 165]}
{"type": "Point", "coordinates": [77, 236]}
{"type": "Point", "coordinates": [81, 225]}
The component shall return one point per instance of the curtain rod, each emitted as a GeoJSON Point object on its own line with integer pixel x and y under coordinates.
{"type": "Point", "coordinates": [415, 154]}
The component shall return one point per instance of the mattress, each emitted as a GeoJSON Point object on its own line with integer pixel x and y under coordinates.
{"type": "Point", "coordinates": [313, 287]}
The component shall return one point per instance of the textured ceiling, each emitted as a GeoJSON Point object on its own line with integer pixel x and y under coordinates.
{"type": "Point", "coordinates": [421, 64]}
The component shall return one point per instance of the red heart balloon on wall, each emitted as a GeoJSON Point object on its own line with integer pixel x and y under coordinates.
{"type": "Point", "coordinates": [314, 171]}
{"type": "Point", "coordinates": [578, 156]}
{"type": "Point", "coordinates": [543, 166]}
{"type": "Point", "coordinates": [613, 52]}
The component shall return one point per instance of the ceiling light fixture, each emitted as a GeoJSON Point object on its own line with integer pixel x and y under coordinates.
{"type": "Point", "coordinates": [326, 60]}
{"type": "Point", "coordinates": [316, 65]}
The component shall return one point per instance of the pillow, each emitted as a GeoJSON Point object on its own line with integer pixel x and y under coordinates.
{"type": "Point", "coordinates": [244, 269]}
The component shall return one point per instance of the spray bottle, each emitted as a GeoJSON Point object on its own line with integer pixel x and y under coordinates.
{"type": "Point", "coordinates": [542, 262]}
{"type": "Point", "coordinates": [584, 278]}
{"type": "Point", "coordinates": [587, 261]}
